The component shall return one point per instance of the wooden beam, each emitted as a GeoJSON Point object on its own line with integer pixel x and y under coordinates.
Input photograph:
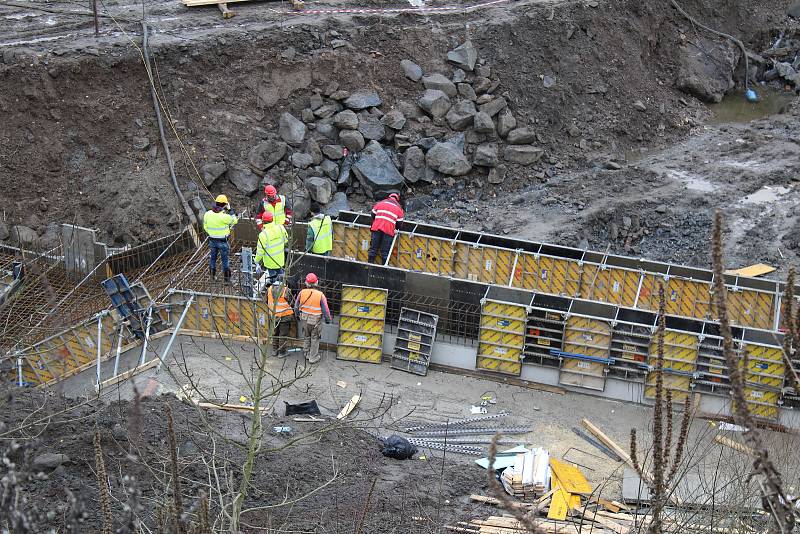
{"type": "Point", "coordinates": [349, 407]}
{"type": "Point", "coordinates": [226, 13]}
{"type": "Point", "coordinates": [735, 445]}
{"type": "Point", "coordinates": [129, 373]}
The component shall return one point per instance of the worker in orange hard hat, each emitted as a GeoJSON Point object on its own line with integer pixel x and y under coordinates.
{"type": "Point", "coordinates": [276, 205]}
{"type": "Point", "coordinates": [311, 307]}
{"type": "Point", "coordinates": [385, 216]}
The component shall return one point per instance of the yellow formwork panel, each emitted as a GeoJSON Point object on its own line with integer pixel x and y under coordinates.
{"type": "Point", "coordinates": [750, 308]}
{"type": "Point", "coordinates": [483, 264]}
{"type": "Point", "coordinates": [679, 385]}
{"type": "Point", "coordinates": [588, 337]}
{"type": "Point", "coordinates": [765, 366]}
{"type": "Point", "coordinates": [762, 402]}
{"type": "Point", "coordinates": [502, 337]}
{"type": "Point", "coordinates": [350, 242]}
{"type": "Point", "coordinates": [423, 254]}
{"type": "Point", "coordinates": [612, 285]}
{"type": "Point", "coordinates": [687, 298]}
{"type": "Point", "coordinates": [545, 274]}
{"type": "Point", "coordinates": [680, 351]}
{"type": "Point", "coordinates": [361, 324]}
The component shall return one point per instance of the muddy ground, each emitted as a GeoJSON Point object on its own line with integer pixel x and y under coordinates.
{"type": "Point", "coordinates": [77, 107]}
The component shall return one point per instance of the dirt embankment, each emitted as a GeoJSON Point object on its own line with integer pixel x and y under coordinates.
{"type": "Point", "coordinates": [80, 144]}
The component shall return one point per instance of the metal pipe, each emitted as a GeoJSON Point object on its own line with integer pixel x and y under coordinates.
{"type": "Point", "coordinates": [146, 334]}
{"type": "Point", "coordinates": [119, 349]}
{"type": "Point", "coordinates": [19, 371]}
{"type": "Point", "coordinates": [175, 333]}
{"type": "Point", "coordinates": [99, 347]}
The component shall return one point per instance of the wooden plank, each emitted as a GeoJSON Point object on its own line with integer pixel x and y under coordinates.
{"type": "Point", "coordinates": [751, 271]}
{"type": "Point", "coordinates": [496, 502]}
{"type": "Point", "coordinates": [351, 404]}
{"type": "Point", "coordinates": [194, 3]}
{"type": "Point", "coordinates": [129, 373]}
{"type": "Point", "coordinates": [559, 505]}
{"type": "Point", "coordinates": [570, 477]}
{"type": "Point", "coordinates": [735, 445]}
{"type": "Point", "coordinates": [607, 523]}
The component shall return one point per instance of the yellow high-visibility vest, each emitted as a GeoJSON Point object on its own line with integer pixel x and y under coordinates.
{"type": "Point", "coordinates": [271, 242]}
{"type": "Point", "coordinates": [323, 234]}
{"type": "Point", "coordinates": [217, 224]}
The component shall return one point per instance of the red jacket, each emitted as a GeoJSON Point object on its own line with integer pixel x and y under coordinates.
{"type": "Point", "coordinates": [387, 213]}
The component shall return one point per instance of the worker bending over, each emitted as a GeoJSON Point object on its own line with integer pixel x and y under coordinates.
{"type": "Point", "coordinates": [276, 205]}
{"type": "Point", "coordinates": [385, 216]}
{"type": "Point", "coordinates": [217, 223]}
{"type": "Point", "coordinates": [311, 306]}
{"type": "Point", "coordinates": [271, 249]}
{"type": "Point", "coordinates": [319, 237]}
{"type": "Point", "coordinates": [281, 313]}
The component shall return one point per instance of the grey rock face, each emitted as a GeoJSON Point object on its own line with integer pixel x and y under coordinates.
{"type": "Point", "coordinates": [440, 82]}
{"type": "Point", "coordinates": [212, 171]}
{"type": "Point", "coordinates": [412, 71]}
{"type": "Point", "coordinates": [448, 158]}
{"type": "Point", "coordinates": [363, 99]}
{"type": "Point", "coordinates": [376, 171]}
{"type": "Point", "coordinates": [464, 56]}
{"type": "Point", "coordinates": [523, 154]}
{"type": "Point", "coordinates": [291, 130]}
{"type": "Point", "coordinates": [435, 102]}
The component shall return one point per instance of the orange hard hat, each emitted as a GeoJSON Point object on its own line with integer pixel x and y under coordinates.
{"type": "Point", "coordinates": [311, 278]}
{"type": "Point", "coordinates": [270, 190]}
{"type": "Point", "coordinates": [266, 217]}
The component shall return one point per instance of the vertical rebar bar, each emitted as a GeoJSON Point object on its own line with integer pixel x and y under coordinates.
{"type": "Point", "coordinates": [146, 334]}
{"type": "Point", "coordinates": [99, 347]}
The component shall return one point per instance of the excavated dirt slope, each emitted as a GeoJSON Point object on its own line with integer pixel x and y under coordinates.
{"type": "Point", "coordinates": [79, 141]}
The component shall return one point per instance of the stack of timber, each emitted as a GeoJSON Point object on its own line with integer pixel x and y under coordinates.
{"type": "Point", "coordinates": [529, 477]}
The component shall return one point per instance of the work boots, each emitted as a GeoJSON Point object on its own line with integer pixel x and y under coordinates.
{"type": "Point", "coordinates": [213, 275]}
{"type": "Point", "coordinates": [227, 276]}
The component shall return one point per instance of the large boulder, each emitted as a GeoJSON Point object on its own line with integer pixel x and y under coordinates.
{"type": "Point", "coordinates": [376, 172]}
{"type": "Point", "coordinates": [505, 122]}
{"type": "Point", "coordinates": [465, 90]}
{"type": "Point", "coordinates": [49, 460]}
{"type": "Point", "coordinates": [326, 129]}
{"type": "Point", "coordinates": [212, 171]}
{"type": "Point", "coordinates": [464, 56]}
{"type": "Point", "coordinates": [523, 154]}
{"type": "Point", "coordinates": [705, 68]}
{"type": "Point", "coordinates": [346, 120]}
{"type": "Point", "coordinates": [23, 236]}
{"type": "Point", "coordinates": [352, 139]}
{"type": "Point", "coordinates": [435, 102]}
{"type": "Point", "coordinates": [291, 129]}
{"type": "Point", "coordinates": [313, 150]}
{"type": "Point", "coordinates": [461, 115]}
{"type": "Point", "coordinates": [297, 197]}
{"type": "Point", "coordinates": [363, 99]}
{"type": "Point", "coordinates": [521, 136]}
{"type": "Point", "coordinates": [371, 128]}
{"type": "Point", "coordinates": [320, 189]}
{"type": "Point", "coordinates": [440, 82]}
{"type": "Point", "coordinates": [485, 155]}
{"type": "Point", "coordinates": [333, 151]}
{"type": "Point", "coordinates": [394, 120]}
{"type": "Point", "coordinates": [327, 111]}
{"type": "Point", "coordinates": [483, 123]}
{"type": "Point", "coordinates": [412, 71]}
{"type": "Point", "coordinates": [301, 160]}
{"type": "Point", "coordinates": [414, 164]}
{"type": "Point", "coordinates": [330, 169]}
{"type": "Point", "coordinates": [337, 204]}
{"type": "Point", "coordinates": [266, 154]}
{"type": "Point", "coordinates": [244, 179]}
{"type": "Point", "coordinates": [448, 158]}
{"type": "Point", "coordinates": [494, 106]}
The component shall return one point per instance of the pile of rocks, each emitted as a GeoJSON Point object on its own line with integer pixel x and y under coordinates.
{"type": "Point", "coordinates": [351, 143]}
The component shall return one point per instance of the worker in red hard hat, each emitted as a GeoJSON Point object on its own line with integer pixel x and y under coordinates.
{"type": "Point", "coordinates": [276, 205]}
{"type": "Point", "coordinates": [311, 307]}
{"type": "Point", "coordinates": [385, 216]}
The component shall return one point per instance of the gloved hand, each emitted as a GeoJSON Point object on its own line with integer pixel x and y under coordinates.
{"type": "Point", "coordinates": [259, 270]}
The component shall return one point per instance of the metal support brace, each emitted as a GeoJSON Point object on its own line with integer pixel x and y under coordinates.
{"type": "Point", "coordinates": [177, 328]}
{"type": "Point", "coordinates": [119, 349]}
{"type": "Point", "coordinates": [513, 269]}
{"type": "Point", "coordinates": [19, 371]}
{"type": "Point", "coordinates": [639, 290]}
{"type": "Point", "coordinates": [99, 347]}
{"type": "Point", "coordinates": [146, 334]}
{"type": "Point", "coordinates": [391, 249]}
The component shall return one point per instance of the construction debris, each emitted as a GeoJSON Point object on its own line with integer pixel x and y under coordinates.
{"type": "Point", "coordinates": [529, 476]}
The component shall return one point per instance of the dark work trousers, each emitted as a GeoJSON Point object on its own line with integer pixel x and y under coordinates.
{"type": "Point", "coordinates": [380, 242]}
{"type": "Point", "coordinates": [280, 339]}
{"type": "Point", "coordinates": [218, 247]}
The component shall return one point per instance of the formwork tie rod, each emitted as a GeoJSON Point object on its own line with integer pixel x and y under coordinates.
{"type": "Point", "coordinates": [474, 431]}
{"type": "Point", "coordinates": [458, 422]}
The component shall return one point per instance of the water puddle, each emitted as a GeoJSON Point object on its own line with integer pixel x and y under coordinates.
{"type": "Point", "coordinates": [734, 108]}
{"type": "Point", "coordinates": [765, 194]}
{"type": "Point", "coordinates": [692, 182]}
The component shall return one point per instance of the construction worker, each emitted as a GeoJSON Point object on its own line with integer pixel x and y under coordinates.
{"type": "Point", "coordinates": [272, 243]}
{"type": "Point", "coordinates": [311, 307]}
{"type": "Point", "coordinates": [217, 222]}
{"type": "Point", "coordinates": [385, 216]}
{"type": "Point", "coordinates": [276, 205]}
{"type": "Point", "coordinates": [319, 238]}
{"type": "Point", "coordinates": [279, 309]}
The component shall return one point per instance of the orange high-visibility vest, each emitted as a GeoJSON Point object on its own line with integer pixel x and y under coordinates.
{"type": "Point", "coordinates": [282, 308]}
{"type": "Point", "coordinates": [311, 301]}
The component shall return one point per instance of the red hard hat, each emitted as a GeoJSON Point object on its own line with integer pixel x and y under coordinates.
{"type": "Point", "coordinates": [270, 190]}
{"type": "Point", "coordinates": [395, 196]}
{"type": "Point", "coordinates": [266, 217]}
{"type": "Point", "coordinates": [311, 278]}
